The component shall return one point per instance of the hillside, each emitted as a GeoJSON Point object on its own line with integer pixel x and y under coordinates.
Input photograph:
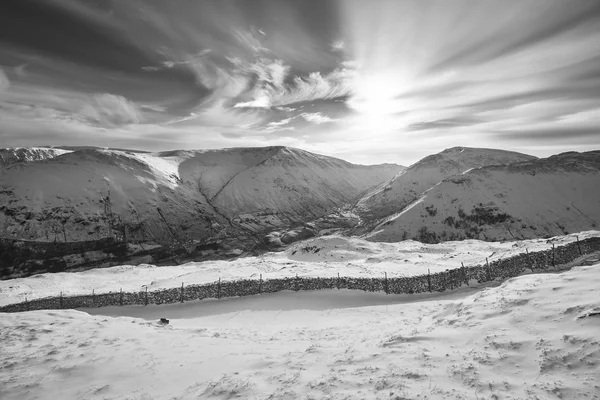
{"type": "Point", "coordinates": [10, 156]}
{"type": "Point", "coordinates": [323, 256]}
{"type": "Point", "coordinates": [533, 336]}
{"type": "Point", "coordinates": [402, 190]}
{"type": "Point", "coordinates": [537, 198]}
{"type": "Point", "coordinates": [213, 196]}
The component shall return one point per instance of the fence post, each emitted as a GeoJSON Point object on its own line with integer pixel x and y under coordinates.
{"type": "Point", "coordinates": [338, 282]}
{"type": "Point", "coordinates": [219, 289]}
{"type": "Point", "coordinates": [553, 262]}
{"type": "Point", "coordinates": [260, 285]}
{"type": "Point", "coordinates": [61, 300]}
{"type": "Point", "coordinates": [296, 283]}
{"type": "Point", "coordinates": [578, 245]}
{"type": "Point", "coordinates": [429, 280]}
{"type": "Point", "coordinates": [26, 303]}
{"type": "Point", "coordinates": [386, 287]}
{"type": "Point", "coordinates": [121, 297]}
{"type": "Point", "coordinates": [146, 298]}
{"type": "Point", "coordinates": [93, 298]}
{"type": "Point", "coordinates": [181, 299]}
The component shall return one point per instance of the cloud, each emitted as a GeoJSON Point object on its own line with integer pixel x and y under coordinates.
{"type": "Point", "coordinates": [261, 100]}
{"type": "Point", "coordinates": [582, 117]}
{"type": "Point", "coordinates": [275, 124]}
{"type": "Point", "coordinates": [337, 83]}
{"type": "Point", "coordinates": [4, 82]}
{"type": "Point", "coordinates": [190, 59]}
{"type": "Point", "coordinates": [374, 81]}
{"type": "Point", "coordinates": [250, 40]}
{"type": "Point", "coordinates": [555, 134]}
{"type": "Point", "coordinates": [271, 89]}
{"type": "Point", "coordinates": [338, 45]}
{"type": "Point", "coordinates": [20, 70]}
{"type": "Point", "coordinates": [317, 118]}
{"type": "Point", "coordinates": [110, 110]}
{"type": "Point", "coordinates": [286, 109]}
{"type": "Point", "coordinates": [279, 126]}
{"type": "Point", "coordinates": [446, 123]}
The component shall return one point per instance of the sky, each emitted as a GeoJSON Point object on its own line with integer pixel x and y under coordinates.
{"type": "Point", "coordinates": [367, 81]}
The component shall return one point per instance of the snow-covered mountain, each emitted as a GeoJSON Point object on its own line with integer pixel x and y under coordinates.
{"type": "Point", "coordinates": [26, 154]}
{"type": "Point", "coordinates": [535, 198]}
{"type": "Point", "coordinates": [393, 196]}
{"type": "Point", "coordinates": [176, 196]}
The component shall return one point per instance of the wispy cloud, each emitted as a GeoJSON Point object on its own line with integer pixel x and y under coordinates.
{"type": "Point", "coordinates": [109, 110]}
{"type": "Point", "coordinates": [275, 88]}
{"type": "Point", "coordinates": [317, 118]}
{"type": "Point", "coordinates": [338, 45]}
{"type": "Point", "coordinates": [282, 122]}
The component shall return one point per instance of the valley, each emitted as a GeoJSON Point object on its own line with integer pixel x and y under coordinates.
{"type": "Point", "coordinates": [79, 208]}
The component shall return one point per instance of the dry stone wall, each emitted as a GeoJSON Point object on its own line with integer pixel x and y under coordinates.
{"type": "Point", "coordinates": [498, 270]}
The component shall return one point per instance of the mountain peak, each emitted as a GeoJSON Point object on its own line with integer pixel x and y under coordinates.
{"type": "Point", "coordinates": [408, 186]}
{"type": "Point", "coordinates": [14, 155]}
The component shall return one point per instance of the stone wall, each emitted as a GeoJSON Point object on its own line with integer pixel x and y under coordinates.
{"type": "Point", "coordinates": [498, 270]}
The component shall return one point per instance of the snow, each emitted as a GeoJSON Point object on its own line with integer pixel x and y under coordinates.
{"type": "Point", "coordinates": [324, 256]}
{"type": "Point", "coordinates": [525, 339]}
{"type": "Point", "coordinates": [13, 155]}
{"type": "Point", "coordinates": [392, 197]}
{"type": "Point", "coordinates": [546, 197]}
{"type": "Point", "coordinates": [379, 228]}
{"type": "Point", "coordinates": [198, 192]}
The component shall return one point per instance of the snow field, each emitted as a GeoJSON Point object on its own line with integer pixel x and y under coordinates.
{"type": "Point", "coordinates": [532, 337]}
{"type": "Point", "coordinates": [324, 256]}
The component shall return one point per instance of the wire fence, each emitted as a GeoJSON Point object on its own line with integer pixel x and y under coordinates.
{"type": "Point", "coordinates": [498, 270]}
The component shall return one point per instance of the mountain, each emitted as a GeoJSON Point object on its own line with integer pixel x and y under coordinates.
{"type": "Point", "coordinates": [10, 156]}
{"type": "Point", "coordinates": [408, 186]}
{"type": "Point", "coordinates": [234, 195]}
{"type": "Point", "coordinates": [528, 199]}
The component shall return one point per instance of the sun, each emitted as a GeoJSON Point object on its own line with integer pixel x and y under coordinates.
{"type": "Point", "coordinates": [378, 100]}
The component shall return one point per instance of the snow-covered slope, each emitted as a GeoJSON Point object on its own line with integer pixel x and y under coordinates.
{"type": "Point", "coordinates": [393, 196]}
{"type": "Point", "coordinates": [533, 337]}
{"type": "Point", "coordinates": [299, 184]}
{"type": "Point", "coordinates": [174, 196]}
{"type": "Point", "coordinates": [26, 154]}
{"type": "Point", "coordinates": [324, 256]}
{"type": "Point", "coordinates": [538, 198]}
{"type": "Point", "coordinates": [90, 194]}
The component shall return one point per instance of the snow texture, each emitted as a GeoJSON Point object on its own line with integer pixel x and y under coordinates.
{"type": "Point", "coordinates": [533, 337]}
{"type": "Point", "coordinates": [324, 256]}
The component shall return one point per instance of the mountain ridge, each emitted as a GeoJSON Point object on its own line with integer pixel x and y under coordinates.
{"type": "Point", "coordinates": [541, 197]}
{"type": "Point", "coordinates": [409, 184]}
{"type": "Point", "coordinates": [132, 185]}
{"type": "Point", "coordinates": [230, 202]}
{"type": "Point", "coordinates": [13, 155]}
